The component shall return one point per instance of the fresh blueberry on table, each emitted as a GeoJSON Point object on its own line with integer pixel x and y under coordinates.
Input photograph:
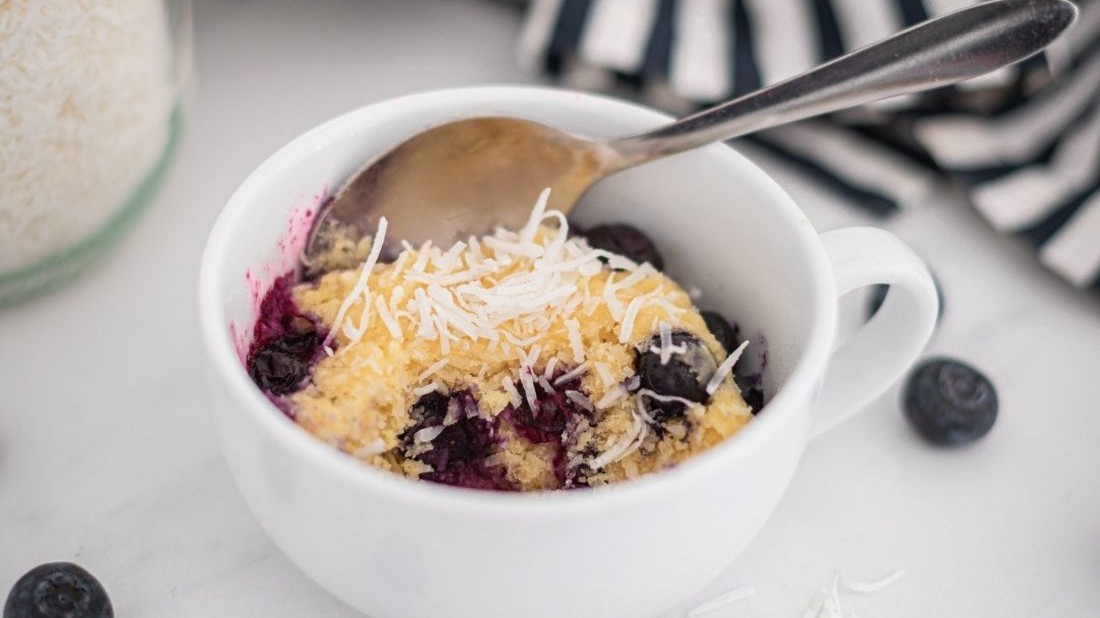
{"type": "Point", "coordinates": [723, 331]}
{"type": "Point", "coordinates": [878, 296]}
{"type": "Point", "coordinates": [626, 241]}
{"type": "Point", "coordinates": [949, 402]}
{"type": "Point", "coordinates": [58, 590]}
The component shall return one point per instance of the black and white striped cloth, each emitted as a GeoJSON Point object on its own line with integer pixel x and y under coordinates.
{"type": "Point", "coordinates": [1025, 141]}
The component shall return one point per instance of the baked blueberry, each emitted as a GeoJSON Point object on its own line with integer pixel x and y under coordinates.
{"type": "Point", "coordinates": [949, 402]}
{"type": "Point", "coordinates": [878, 296]}
{"type": "Point", "coordinates": [723, 331]}
{"type": "Point", "coordinates": [461, 443]}
{"type": "Point", "coordinates": [458, 453]}
{"type": "Point", "coordinates": [750, 392]}
{"type": "Point", "coordinates": [285, 342]}
{"type": "Point", "coordinates": [58, 590]}
{"type": "Point", "coordinates": [626, 241]}
{"type": "Point", "coordinates": [429, 410]}
{"type": "Point", "coordinates": [684, 375]}
{"type": "Point", "coordinates": [280, 365]}
{"type": "Point", "coordinates": [458, 456]}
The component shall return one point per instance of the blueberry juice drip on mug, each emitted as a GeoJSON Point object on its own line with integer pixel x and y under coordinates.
{"type": "Point", "coordinates": [531, 359]}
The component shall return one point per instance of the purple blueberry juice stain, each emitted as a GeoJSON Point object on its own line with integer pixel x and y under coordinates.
{"type": "Point", "coordinates": [458, 454]}
{"type": "Point", "coordinates": [554, 420]}
{"type": "Point", "coordinates": [288, 248]}
{"type": "Point", "coordinates": [286, 343]}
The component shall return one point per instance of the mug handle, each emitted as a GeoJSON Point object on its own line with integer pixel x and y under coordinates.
{"type": "Point", "coordinates": [864, 366]}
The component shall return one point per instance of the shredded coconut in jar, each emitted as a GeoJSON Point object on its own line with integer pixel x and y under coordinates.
{"type": "Point", "coordinates": [86, 97]}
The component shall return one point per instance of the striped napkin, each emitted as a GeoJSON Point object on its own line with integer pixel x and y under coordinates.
{"type": "Point", "coordinates": [1023, 141]}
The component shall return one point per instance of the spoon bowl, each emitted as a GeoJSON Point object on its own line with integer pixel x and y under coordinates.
{"type": "Point", "coordinates": [443, 174]}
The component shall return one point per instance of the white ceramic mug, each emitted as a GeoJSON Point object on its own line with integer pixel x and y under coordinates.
{"type": "Point", "coordinates": [396, 548]}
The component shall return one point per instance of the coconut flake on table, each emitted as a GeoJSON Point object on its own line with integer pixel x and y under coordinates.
{"type": "Point", "coordinates": [828, 603]}
{"type": "Point", "coordinates": [871, 587]}
{"type": "Point", "coordinates": [723, 600]}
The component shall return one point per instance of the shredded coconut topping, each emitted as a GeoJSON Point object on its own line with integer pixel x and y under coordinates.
{"type": "Point", "coordinates": [613, 396]}
{"type": "Point", "coordinates": [510, 285]}
{"type": "Point", "coordinates": [546, 385]}
{"type": "Point", "coordinates": [666, 342]}
{"type": "Point", "coordinates": [513, 394]}
{"type": "Point", "coordinates": [604, 371]}
{"type": "Point", "coordinates": [374, 447]}
{"type": "Point", "coordinates": [580, 399]}
{"type": "Point", "coordinates": [575, 340]}
{"type": "Point", "coordinates": [551, 365]}
{"type": "Point", "coordinates": [521, 294]}
{"type": "Point", "coordinates": [725, 368]}
{"type": "Point", "coordinates": [627, 444]}
{"type": "Point", "coordinates": [576, 371]}
{"type": "Point", "coordinates": [361, 284]}
{"type": "Point", "coordinates": [645, 392]}
{"type": "Point", "coordinates": [639, 405]}
{"type": "Point", "coordinates": [427, 434]}
{"type": "Point", "coordinates": [430, 371]}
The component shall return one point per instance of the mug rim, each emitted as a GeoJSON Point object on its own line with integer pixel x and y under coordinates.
{"type": "Point", "coordinates": [224, 361]}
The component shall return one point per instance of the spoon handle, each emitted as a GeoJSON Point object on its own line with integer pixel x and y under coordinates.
{"type": "Point", "coordinates": [938, 52]}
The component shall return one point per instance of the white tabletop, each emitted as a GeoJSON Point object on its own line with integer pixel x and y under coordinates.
{"type": "Point", "coordinates": [108, 456]}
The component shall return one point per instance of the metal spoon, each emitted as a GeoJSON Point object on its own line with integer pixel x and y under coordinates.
{"type": "Point", "coordinates": [467, 176]}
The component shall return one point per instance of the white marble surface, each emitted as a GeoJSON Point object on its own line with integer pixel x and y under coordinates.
{"type": "Point", "coordinates": [108, 457]}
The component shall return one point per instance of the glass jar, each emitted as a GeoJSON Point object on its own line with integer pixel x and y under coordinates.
{"type": "Point", "coordinates": [90, 97]}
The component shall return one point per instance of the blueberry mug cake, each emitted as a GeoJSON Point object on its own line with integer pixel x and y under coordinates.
{"type": "Point", "coordinates": [535, 359]}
